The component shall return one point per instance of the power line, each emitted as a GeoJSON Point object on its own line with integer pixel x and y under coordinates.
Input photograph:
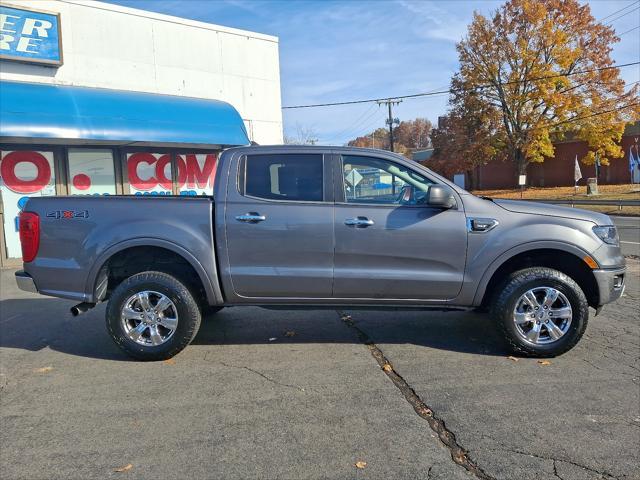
{"type": "Point", "coordinates": [377, 119]}
{"type": "Point", "coordinates": [453, 90]}
{"type": "Point", "coordinates": [630, 30]}
{"type": "Point", "coordinates": [373, 119]}
{"type": "Point", "coordinates": [618, 11]}
{"type": "Point", "coordinates": [623, 15]}
{"type": "Point", "coordinates": [575, 119]}
{"type": "Point", "coordinates": [363, 118]}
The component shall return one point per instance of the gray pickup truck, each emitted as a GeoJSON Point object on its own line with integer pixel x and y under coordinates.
{"type": "Point", "coordinates": [321, 227]}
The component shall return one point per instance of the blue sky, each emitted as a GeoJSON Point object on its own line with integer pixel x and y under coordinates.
{"type": "Point", "coordinates": [334, 51]}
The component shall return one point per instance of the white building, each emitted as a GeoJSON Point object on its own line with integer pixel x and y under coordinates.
{"type": "Point", "coordinates": [102, 99]}
{"type": "Point", "coordinates": [109, 46]}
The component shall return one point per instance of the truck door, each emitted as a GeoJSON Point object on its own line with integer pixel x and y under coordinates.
{"type": "Point", "coordinates": [389, 243]}
{"type": "Point", "coordinates": [279, 226]}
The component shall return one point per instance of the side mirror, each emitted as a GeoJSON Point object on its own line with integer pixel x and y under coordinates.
{"type": "Point", "coordinates": [441, 196]}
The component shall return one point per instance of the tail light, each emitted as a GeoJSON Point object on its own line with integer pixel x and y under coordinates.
{"type": "Point", "coordinates": [29, 235]}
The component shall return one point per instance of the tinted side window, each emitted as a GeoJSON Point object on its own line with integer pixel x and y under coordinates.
{"type": "Point", "coordinates": [284, 177]}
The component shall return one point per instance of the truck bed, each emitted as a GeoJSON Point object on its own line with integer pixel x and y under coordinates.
{"type": "Point", "coordinates": [80, 233]}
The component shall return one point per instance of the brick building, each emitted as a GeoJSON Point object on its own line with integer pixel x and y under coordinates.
{"type": "Point", "coordinates": [558, 170]}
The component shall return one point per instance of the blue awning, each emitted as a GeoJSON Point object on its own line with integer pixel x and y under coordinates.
{"type": "Point", "coordinates": [38, 111]}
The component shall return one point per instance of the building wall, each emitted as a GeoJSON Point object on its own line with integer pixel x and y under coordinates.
{"type": "Point", "coordinates": [108, 46]}
{"type": "Point", "coordinates": [559, 170]}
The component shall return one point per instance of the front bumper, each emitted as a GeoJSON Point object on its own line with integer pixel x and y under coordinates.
{"type": "Point", "coordinates": [25, 282]}
{"type": "Point", "coordinates": [611, 284]}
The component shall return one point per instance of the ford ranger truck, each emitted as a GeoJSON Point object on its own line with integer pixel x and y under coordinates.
{"type": "Point", "coordinates": [321, 227]}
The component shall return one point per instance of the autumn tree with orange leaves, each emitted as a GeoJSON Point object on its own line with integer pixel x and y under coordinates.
{"type": "Point", "coordinates": [409, 136]}
{"type": "Point", "coordinates": [534, 71]}
{"type": "Point", "coordinates": [467, 137]}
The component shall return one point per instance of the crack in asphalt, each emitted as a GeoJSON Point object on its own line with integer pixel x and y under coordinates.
{"type": "Point", "coordinates": [269, 379]}
{"type": "Point", "coordinates": [624, 374]}
{"type": "Point", "coordinates": [429, 472]}
{"type": "Point", "coordinates": [555, 470]}
{"type": "Point", "coordinates": [459, 455]}
{"type": "Point", "coordinates": [501, 447]}
{"type": "Point", "coordinates": [602, 473]}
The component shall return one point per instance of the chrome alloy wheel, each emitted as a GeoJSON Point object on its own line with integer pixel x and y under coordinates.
{"type": "Point", "coordinates": [542, 315]}
{"type": "Point", "coordinates": [149, 318]}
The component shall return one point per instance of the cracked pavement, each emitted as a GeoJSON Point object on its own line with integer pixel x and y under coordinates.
{"type": "Point", "coordinates": [236, 404]}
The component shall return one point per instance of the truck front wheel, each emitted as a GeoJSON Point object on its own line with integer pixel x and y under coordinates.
{"type": "Point", "coordinates": [542, 312]}
{"type": "Point", "coordinates": [152, 316]}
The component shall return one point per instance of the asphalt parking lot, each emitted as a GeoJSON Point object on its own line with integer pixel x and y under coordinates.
{"type": "Point", "coordinates": [301, 394]}
{"type": "Point", "coordinates": [629, 232]}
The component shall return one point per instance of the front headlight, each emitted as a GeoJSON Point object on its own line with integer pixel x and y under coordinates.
{"type": "Point", "coordinates": [608, 234]}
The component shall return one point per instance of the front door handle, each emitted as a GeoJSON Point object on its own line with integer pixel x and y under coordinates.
{"type": "Point", "coordinates": [359, 222]}
{"type": "Point", "coordinates": [251, 217]}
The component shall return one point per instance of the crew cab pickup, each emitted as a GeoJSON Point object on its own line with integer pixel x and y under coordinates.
{"type": "Point", "coordinates": [321, 227]}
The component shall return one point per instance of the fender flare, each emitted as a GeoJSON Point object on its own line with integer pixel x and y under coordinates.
{"type": "Point", "coordinates": [517, 250]}
{"type": "Point", "coordinates": [90, 283]}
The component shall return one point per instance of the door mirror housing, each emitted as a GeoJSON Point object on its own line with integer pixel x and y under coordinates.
{"type": "Point", "coordinates": [441, 196]}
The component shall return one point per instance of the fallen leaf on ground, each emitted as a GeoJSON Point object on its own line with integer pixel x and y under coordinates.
{"type": "Point", "coordinates": [126, 468]}
{"type": "Point", "coordinates": [544, 362]}
{"type": "Point", "coordinates": [360, 464]}
{"type": "Point", "coordinates": [170, 361]}
{"type": "Point", "coordinates": [387, 368]}
{"type": "Point", "coordinates": [272, 339]}
{"type": "Point", "coordinates": [425, 411]}
{"type": "Point", "coordinates": [514, 359]}
{"type": "Point", "coordinates": [290, 333]}
{"type": "Point", "coordinates": [44, 369]}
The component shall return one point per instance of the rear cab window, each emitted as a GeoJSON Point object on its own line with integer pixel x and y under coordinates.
{"type": "Point", "coordinates": [283, 177]}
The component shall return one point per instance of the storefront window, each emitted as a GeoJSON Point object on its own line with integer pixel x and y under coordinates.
{"type": "Point", "coordinates": [196, 172]}
{"type": "Point", "coordinates": [149, 173]}
{"type": "Point", "coordinates": [91, 172]}
{"type": "Point", "coordinates": [23, 174]}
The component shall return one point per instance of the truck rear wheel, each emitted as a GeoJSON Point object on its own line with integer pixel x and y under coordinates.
{"type": "Point", "coordinates": [152, 316]}
{"type": "Point", "coordinates": [542, 312]}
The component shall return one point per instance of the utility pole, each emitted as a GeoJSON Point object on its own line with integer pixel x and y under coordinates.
{"type": "Point", "coordinates": [390, 120]}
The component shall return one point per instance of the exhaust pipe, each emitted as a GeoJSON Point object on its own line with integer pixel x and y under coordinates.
{"type": "Point", "coordinates": [81, 308]}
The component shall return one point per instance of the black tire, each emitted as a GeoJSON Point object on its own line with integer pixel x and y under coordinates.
{"type": "Point", "coordinates": [188, 312]}
{"type": "Point", "coordinates": [516, 285]}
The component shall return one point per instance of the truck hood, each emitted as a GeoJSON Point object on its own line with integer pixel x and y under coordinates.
{"type": "Point", "coordinates": [535, 208]}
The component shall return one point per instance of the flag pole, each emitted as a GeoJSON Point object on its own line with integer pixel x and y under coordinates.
{"type": "Point", "coordinates": [631, 165]}
{"type": "Point", "coordinates": [577, 175]}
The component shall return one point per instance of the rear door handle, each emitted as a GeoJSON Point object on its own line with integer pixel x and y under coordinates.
{"type": "Point", "coordinates": [359, 222]}
{"type": "Point", "coordinates": [251, 217]}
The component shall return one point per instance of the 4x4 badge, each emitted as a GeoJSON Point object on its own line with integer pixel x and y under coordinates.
{"type": "Point", "coordinates": [68, 214]}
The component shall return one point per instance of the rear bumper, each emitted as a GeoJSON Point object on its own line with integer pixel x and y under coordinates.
{"type": "Point", "coordinates": [25, 282]}
{"type": "Point", "coordinates": [611, 284]}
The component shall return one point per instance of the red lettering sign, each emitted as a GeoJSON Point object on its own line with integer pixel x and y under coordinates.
{"type": "Point", "coordinates": [18, 185]}
{"type": "Point", "coordinates": [196, 177]}
{"type": "Point", "coordinates": [132, 169]}
{"type": "Point", "coordinates": [189, 171]}
{"type": "Point", "coordinates": [165, 182]}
